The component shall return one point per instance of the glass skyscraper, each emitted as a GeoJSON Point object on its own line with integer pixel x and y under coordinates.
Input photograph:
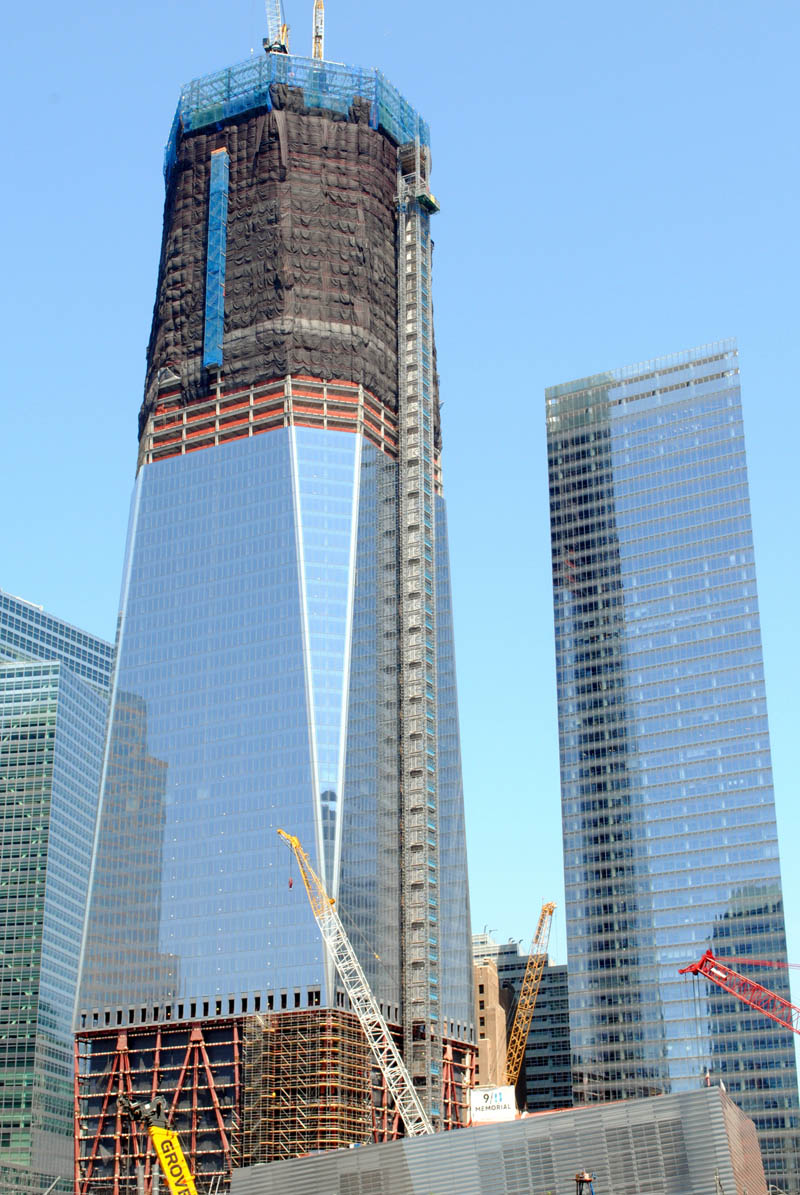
{"type": "Point", "coordinates": [670, 843]}
{"type": "Point", "coordinates": [53, 701]}
{"type": "Point", "coordinates": [285, 649]}
{"type": "Point", "coordinates": [246, 699]}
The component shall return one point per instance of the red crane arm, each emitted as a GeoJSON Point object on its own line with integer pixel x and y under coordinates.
{"type": "Point", "coordinates": [770, 1003]}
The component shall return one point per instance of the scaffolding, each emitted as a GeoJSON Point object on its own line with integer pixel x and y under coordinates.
{"type": "Point", "coordinates": [239, 1091]}
{"type": "Point", "coordinates": [174, 427]}
{"type": "Point", "coordinates": [307, 1084]}
{"type": "Point", "coordinates": [418, 683]}
{"type": "Point", "coordinates": [329, 85]}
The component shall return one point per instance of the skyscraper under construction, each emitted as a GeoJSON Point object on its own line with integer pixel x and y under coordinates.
{"type": "Point", "coordinates": [285, 648]}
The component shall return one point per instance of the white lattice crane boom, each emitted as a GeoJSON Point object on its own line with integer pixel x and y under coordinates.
{"type": "Point", "coordinates": [278, 30]}
{"type": "Point", "coordinates": [527, 997]}
{"type": "Point", "coordinates": [364, 1004]}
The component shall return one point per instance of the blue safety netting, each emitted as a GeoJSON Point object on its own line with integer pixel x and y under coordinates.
{"type": "Point", "coordinates": [215, 259]}
{"type": "Point", "coordinates": [215, 98]}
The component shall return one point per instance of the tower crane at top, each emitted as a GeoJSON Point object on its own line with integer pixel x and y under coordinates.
{"type": "Point", "coordinates": [277, 41]}
{"type": "Point", "coordinates": [318, 31]}
{"type": "Point", "coordinates": [528, 993]}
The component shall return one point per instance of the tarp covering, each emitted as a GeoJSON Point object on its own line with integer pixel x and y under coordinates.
{"type": "Point", "coordinates": [310, 267]}
{"type": "Point", "coordinates": [215, 258]}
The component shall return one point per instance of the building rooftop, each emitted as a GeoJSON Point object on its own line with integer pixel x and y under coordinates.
{"type": "Point", "coordinates": [27, 632]}
{"type": "Point", "coordinates": [329, 85]}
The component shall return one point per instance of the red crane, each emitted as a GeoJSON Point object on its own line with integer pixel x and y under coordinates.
{"type": "Point", "coordinates": [770, 1003]}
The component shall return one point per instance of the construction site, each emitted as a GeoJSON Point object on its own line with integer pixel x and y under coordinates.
{"type": "Point", "coordinates": [239, 1092]}
{"type": "Point", "coordinates": [245, 1091]}
{"type": "Point", "coordinates": [284, 716]}
{"type": "Point", "coordinates": [292, 326]}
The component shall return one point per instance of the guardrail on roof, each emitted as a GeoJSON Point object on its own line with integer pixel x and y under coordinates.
{"type": "Point", "coordinates": [215, 98]}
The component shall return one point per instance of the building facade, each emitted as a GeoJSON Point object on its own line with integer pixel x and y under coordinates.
{"type": "Point", "coordinates": [285, 652]}
{"type": "Point", "coordinates": [670, 841]}
{"type": "Point", "coordinates": [54, 683]}
{"type": "Point", "coordinates": [545, 1080]}
{"type": "Point", "coordinates": [683, 1144]}
{"type": "Point", "coordinates": [490, 1010]}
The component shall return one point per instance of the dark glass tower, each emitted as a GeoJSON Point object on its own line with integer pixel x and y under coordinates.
{"type": "Point", "coordinates": [670, 843]}
{"type": "Point", "coordinates": [53, 703]}
{"type": "Point", "coordinates": [285, 638]}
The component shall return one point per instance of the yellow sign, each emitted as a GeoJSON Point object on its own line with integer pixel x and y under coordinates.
{"type": "Point", "coordinates": [173, 1163]}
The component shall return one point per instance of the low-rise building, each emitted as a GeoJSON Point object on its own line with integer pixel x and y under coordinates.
{"type": "Point", "coordinates": [688, 1143]}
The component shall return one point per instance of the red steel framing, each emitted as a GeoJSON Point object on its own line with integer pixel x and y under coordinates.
{"type": "Point", "coordinates": [190, 1065]}
{"type": "Point", "coordinates": [217, 1101]}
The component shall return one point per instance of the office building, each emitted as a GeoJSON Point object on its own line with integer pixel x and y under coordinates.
{"type": "Point", "coordinates": [490, 1010]}
{"type": "Point", "coordinates": [545, 1080]}
{"type": "Point", "coordinates": [54, 683]}
{"type": "Point", "coordinates": [285, 648]}
{"type": "Point", "coordinates": [670, 843]}
{"type": "Point", "coordinates": [682, 1144]}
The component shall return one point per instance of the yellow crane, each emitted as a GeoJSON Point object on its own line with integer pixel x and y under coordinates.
{"type": "Point", "coordinates": [364, 1004]}
{"type": "Point", "coordinates": [527, 997]}
{"type": "Point", "coordinates": [165, 1142]}
{"type": "Point", "coordinates": [318, 31]}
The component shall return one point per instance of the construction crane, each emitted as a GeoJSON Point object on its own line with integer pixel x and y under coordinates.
{"type": "Point", "coordinates": [527, 997]}
{"type": "Point", "coordinates": [364, 1004]}
{"type": "Point", "coordinates": [277, 41]}
{"type": "Point", "coordinates": [165, 1142]}
{"type": "Point", "coordinates": [318, 31]}
{"type": "Point", "coordinates": [770, 1003]}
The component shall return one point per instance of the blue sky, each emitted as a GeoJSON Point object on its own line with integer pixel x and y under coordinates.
{"type": "Point", "coordinates": [617, 181]}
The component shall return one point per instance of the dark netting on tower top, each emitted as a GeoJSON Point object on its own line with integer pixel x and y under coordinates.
{"type": "Point", "coordinates": [310, 279]}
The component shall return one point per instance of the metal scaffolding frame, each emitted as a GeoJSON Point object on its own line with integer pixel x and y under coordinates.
{"type": "Point", "coordinates": [422, 1032]}
{"type": "Point", "coordinates": [240, 1090]}
{"type": "Point", "coordinates": [306, 1084]}
{"type": "Point", "coordinates": [195, 1067]}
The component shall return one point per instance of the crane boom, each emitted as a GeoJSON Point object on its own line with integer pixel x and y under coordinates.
{"type": "Point", "coordinates": [527, 997]}
{"type": "Point", "coordinates": [165, 1142]}
{"type": "Point", "coordinates": [277, 29]}
{"type": "Point", "coordinates": [365, 1006]}
{"type": "Point", "coordinates": [318, 31]}
{"type": "Point", "coordinates": [770, 1003]}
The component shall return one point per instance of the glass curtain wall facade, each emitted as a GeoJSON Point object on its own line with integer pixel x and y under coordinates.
{"type": "Point", "coordinates": [245, 700]}
{"type": "Point", "coordinates": [260, 676]}
{"type": "Point", "coordinates": [670, 841]}
{"type": "Point", "coordinates": [52, 723]}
